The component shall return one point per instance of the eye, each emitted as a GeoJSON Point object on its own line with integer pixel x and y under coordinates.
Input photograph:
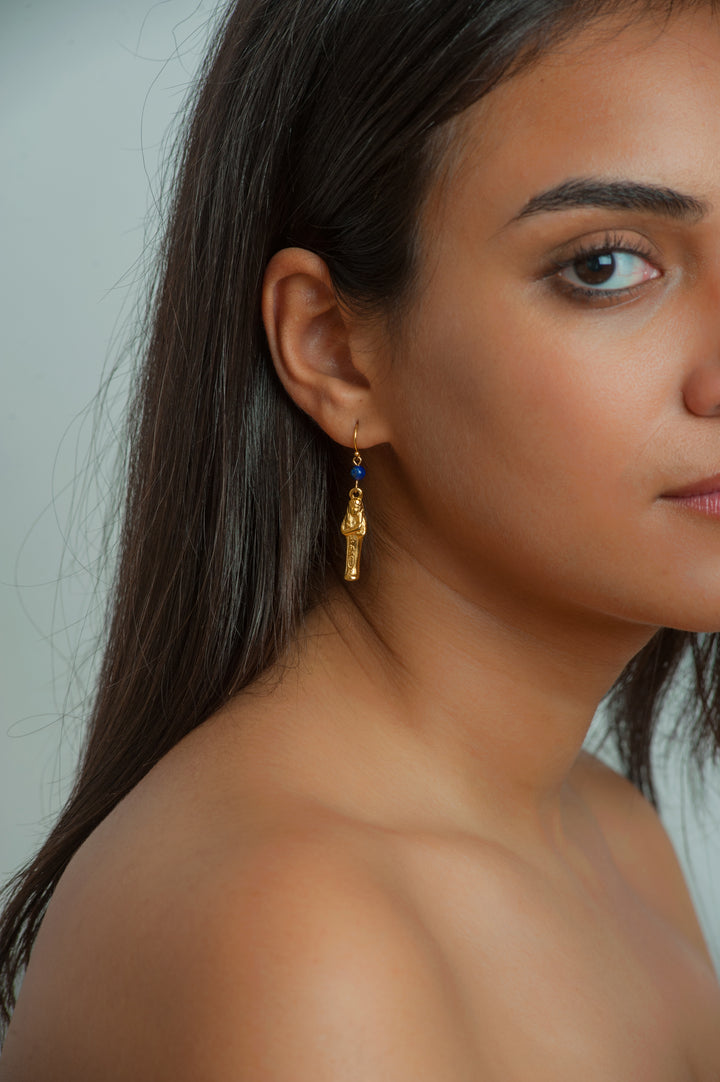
{"type": "Point", "coordinates": [606, 270]}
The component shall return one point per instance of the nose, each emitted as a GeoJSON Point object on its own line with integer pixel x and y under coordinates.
{"type": "Point", "coordinates": [701, 391]}
{"type": "Point", "coordinates": [701, 380]}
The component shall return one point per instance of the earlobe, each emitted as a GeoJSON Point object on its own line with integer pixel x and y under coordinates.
{"type": "Point", "coordinates": [313, 348]}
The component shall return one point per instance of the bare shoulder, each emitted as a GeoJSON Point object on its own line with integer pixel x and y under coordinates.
{"type": "Point", "coordinates": [640, 844]}
{"type": "Point", "coordinates": [324, 975]}
{"type": "Point", "coordinates": [284, 958]}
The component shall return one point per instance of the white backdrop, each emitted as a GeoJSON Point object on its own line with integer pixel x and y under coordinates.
{"type": "Point", "coordinates": [87, 91]}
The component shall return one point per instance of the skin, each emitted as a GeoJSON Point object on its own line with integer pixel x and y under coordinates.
{"type": "Point", "coordinates": [427, 878]}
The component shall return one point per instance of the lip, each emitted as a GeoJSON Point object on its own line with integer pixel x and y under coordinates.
{"type": "Point", "coordinates": [704, 487]}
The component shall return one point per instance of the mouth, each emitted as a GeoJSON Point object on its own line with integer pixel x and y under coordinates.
{"type": "Point", "coordinates": [708, 486]}
{"type": "Point", "coordinates": [701, 497]}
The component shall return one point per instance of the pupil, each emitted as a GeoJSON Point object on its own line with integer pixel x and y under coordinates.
{"type": "Point", "coordinates": [596, 269]}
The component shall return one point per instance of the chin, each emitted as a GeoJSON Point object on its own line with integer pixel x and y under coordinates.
{"type": "Point", "coordinates": [697, 610]}
{"type": "Point", "coordinates": [699, 618]}
{"type": "Point", "coordinates": [697, 627]}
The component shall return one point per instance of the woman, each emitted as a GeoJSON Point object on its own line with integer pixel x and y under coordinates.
{"type": "Point", "coordinates": [334, 819]}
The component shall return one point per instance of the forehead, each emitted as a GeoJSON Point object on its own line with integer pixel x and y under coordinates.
{"type": "Point", "coordinates": [612, 99]}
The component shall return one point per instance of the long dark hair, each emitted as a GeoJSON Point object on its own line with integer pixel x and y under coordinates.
{"type": "Point", "coordinates": [316, 123]}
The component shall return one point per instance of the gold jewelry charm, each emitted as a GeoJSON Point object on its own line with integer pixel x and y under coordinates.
{"type": "Point", "coordinates": [354, 526]}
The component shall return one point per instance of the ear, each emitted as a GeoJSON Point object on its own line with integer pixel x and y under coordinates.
{"type": "Point", "coordinates": [328, 362]}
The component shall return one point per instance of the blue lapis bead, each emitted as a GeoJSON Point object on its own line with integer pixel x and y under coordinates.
{"type": "Point", "coordinates": [357, 472]}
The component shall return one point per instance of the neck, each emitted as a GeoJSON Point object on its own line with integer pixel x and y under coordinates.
{"type": "Point", "coordinates": [478, 711]}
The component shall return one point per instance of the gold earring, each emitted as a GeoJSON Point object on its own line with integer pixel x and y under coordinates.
{"type": "Point", "coordinates": [354, 526]}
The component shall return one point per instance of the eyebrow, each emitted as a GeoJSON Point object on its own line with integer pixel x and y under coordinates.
{"type": "Point", "coordinates": [616, 195]}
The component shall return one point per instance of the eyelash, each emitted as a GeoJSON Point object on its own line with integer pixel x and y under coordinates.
{"type": "Point", "coordinates": [612, 242]}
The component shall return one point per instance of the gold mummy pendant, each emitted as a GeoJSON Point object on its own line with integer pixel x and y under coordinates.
{"type": "Point", "coordinates": [354, 527]}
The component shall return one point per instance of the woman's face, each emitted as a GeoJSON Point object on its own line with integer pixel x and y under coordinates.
{"type": "Point", "coordinates": [560, 374]}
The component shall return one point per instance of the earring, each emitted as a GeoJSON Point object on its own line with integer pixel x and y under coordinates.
{"type": "Point", "coordinates": [354, 526]}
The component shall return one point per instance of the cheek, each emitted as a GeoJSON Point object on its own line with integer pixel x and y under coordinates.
{"type": "Point", "coordinates": [509, 409]}
{"type": "Point", "coordinates": [532, 442]}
